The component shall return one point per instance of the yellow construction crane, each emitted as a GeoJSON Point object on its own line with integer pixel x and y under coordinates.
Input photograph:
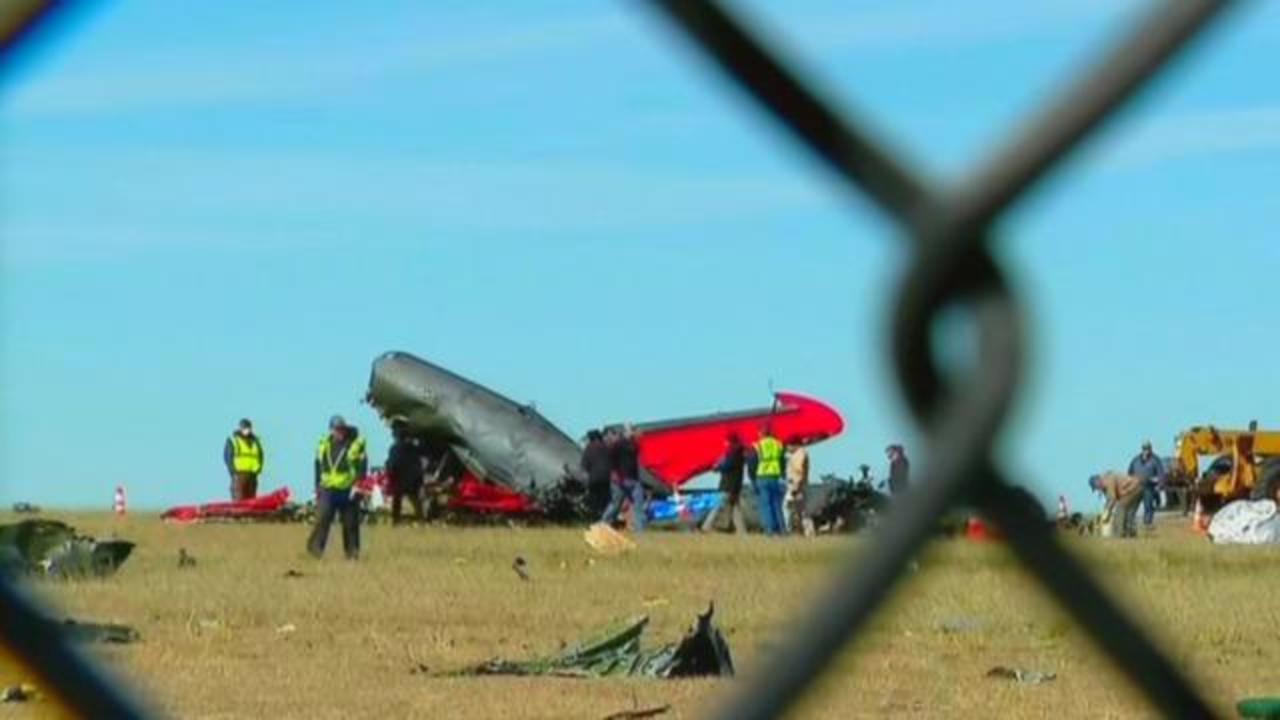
{"type": "Point", "coordinates": [1247, 463]}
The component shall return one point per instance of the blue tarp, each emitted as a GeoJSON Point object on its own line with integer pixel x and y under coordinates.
{"type": "Point", "coordinates": [691, 508]}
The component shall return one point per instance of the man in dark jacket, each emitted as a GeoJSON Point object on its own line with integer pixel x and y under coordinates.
{"type": "Point", "coordinates": [625, 470]}
{"type": "Point", "coordinates": [1146, 466]}
{"type": "Point", "coordinates": [731, 467]}
{"type": "Point", "coordinates": [404, 472]}
{"type": "Point", "coordinates": [899, 469]}
{"type": "Point", "coordinates": [596, 468]}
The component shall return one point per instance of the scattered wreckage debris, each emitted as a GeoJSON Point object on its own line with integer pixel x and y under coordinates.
{"type": "Point", "coordinates": [978, 530]}
{"type": "Point", "coordinates": [1077, 522]}
{"type": "Point", "coordinates": [1259, 707]}
{"type": "Point", "coordinates": [51, 548]}
{"type": "Point", "coordinates": [1246, 522]}
{"type": "Point", "coordinates": [23, 692]}
{"type": "Point", "coordinates": [616, 651]}
{"type": "Point", "coordinates": [495, 456]}
{"type": "Point", "coordinates": [835, 505]}
{"type": "Point", "coordinates": [91, 632]}
{"type": "Point", "coordinates": [839, 504]}
{"type": "Point", "coordinates": [292, 574]}
{"type": "Point", "coordinates": [639, 713]}
{"type": "Point", "coordinates": [519, 565]}
{"type": "Point", "coordinates": [607, 541]}
{"type": "Point", "coordinates": [1029, 677]}
{"type": "Point", "coordinates": [273, 506]}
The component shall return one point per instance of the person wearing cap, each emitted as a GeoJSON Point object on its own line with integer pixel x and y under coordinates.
{"type": "Point", "coordinates": [864, 478]}
{"type": "Point", "coordinates": [340, 463]}
{"type": "Point", "coordinates": [243, 456]}
{"type": "Point", "coordinates": [1146, 466]}
{"type": "Point", "coordinates": [1122, 493]}
{"type": "Point", "coordinates": [899, 469]}
{"type": "Point", "coordinates": [731, 466]}
{"type": "Point", "coordinates": [624, 455]}
{"type": "Point", "coordinates": [768, 482]}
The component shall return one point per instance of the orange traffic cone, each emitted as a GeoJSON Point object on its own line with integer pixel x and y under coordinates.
{"type": "Point", "coordinates": [118, 505]}
{"type": "Point", "coordinates": [1200, 521]}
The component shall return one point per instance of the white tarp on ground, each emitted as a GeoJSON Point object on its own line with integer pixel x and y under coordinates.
{"type": "Point", "coordinates": [1248, 522]}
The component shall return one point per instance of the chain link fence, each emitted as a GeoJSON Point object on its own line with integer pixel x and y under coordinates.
{"type": "Point", "coordinates": [951, 233]}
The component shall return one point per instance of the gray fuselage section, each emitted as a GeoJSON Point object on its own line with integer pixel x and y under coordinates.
{"type": "Point", "coordinates": [497, 439]}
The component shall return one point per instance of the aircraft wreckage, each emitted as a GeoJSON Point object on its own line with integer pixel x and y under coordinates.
{"type": "Point", "coordinates": [499, 456]}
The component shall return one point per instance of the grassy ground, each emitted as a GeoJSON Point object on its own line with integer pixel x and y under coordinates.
{"type": "Point", "coordinates": [445, 597]}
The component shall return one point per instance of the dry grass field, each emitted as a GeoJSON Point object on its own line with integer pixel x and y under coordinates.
{"type": "Point", "coordinates": [445, 597]}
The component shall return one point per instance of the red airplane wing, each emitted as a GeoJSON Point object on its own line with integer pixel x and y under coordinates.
{"type": "Point", "coordinates": [676, 451]}
{"type": "Point", "coordinates": [259, 507]}
{"type": "Point", "coordinates": [485, 497]}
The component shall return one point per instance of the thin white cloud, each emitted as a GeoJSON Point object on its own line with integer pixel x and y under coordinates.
{"type": "Point", "coordinates": [945, 23]}
{"type": "Point", "coordinates": [312, 71]}
{"type": "Point", "coordinates": [1168, 138]}
{"type": "Point", "coordinates": [179, 198]}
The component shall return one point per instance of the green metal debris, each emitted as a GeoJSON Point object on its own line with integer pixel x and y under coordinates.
{"type": "Point", "coordinates": [53, 549]}
{"type": "Point", "coordinates": [1260, 707]}
{"type": "Point", "coordinates": [616, 651]}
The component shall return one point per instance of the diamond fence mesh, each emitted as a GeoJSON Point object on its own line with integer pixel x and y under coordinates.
{"type": "Point", "coordinates": [951, 233]}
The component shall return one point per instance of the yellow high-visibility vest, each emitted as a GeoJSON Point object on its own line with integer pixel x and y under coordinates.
{"type": "Point", "coordinates": [339, 473]}
{"type": "Point", "coordinates": [246, 454]}
{"type": "Point", "coordinates": [769, 457]}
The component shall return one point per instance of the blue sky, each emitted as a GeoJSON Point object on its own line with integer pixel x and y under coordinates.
{"type": "Point", "coordinates": [231, 209]}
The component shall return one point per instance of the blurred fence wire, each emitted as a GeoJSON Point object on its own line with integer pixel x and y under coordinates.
{"type": "Point", "coordinates": [951, 232]}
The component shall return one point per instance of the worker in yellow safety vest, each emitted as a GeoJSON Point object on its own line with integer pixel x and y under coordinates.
{"type": "Point", "coordinates": [243, 457]}
{"type": "Point", "coordinates": [341, 461]}
{"type": "Point", "coordinates": [768, 481]}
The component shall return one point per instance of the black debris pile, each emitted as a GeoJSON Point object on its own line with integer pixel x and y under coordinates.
{"type": "Point", "coordinates": [616, 651]}
{"type": "Point", "coordinates": [639, 714]}
{"type": "Point", "coordinates": [844, 504]}
{"type": "Point", "coordinates": [1029, 677]}
{"type": "Point", "coordinates": [91, 632]}
{"type": "Point", "coordinates": [51, 548]}
{"type": "Point", "coordinates": [18, 693]}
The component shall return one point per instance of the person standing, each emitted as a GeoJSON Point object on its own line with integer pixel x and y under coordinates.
{"type": "Point", "coordinates": [340, 463]}
{"type": "Point", "coordinates": [404, 472]}
{"type": "Point", "coordinates": [243, 456]}
{"type": "Point", "coordinates": [864, 477]}
{"type": "Point", "coordinates": [798, 520]}
{"type": "Point", "coordinates": [1122, 493]}
{"type": "Point", "coordinates": [899, 469]}
{"type": "Point", "coordinates": [1147, 468]}
{"type": "Point", "coordinates": [596, 467]}
{"type": "Point", "coordinates": [769, 482]}
{"type": "Point", "coordinates": [624, 452]}
{"type": "Point", "coordinates": [731, 467]}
